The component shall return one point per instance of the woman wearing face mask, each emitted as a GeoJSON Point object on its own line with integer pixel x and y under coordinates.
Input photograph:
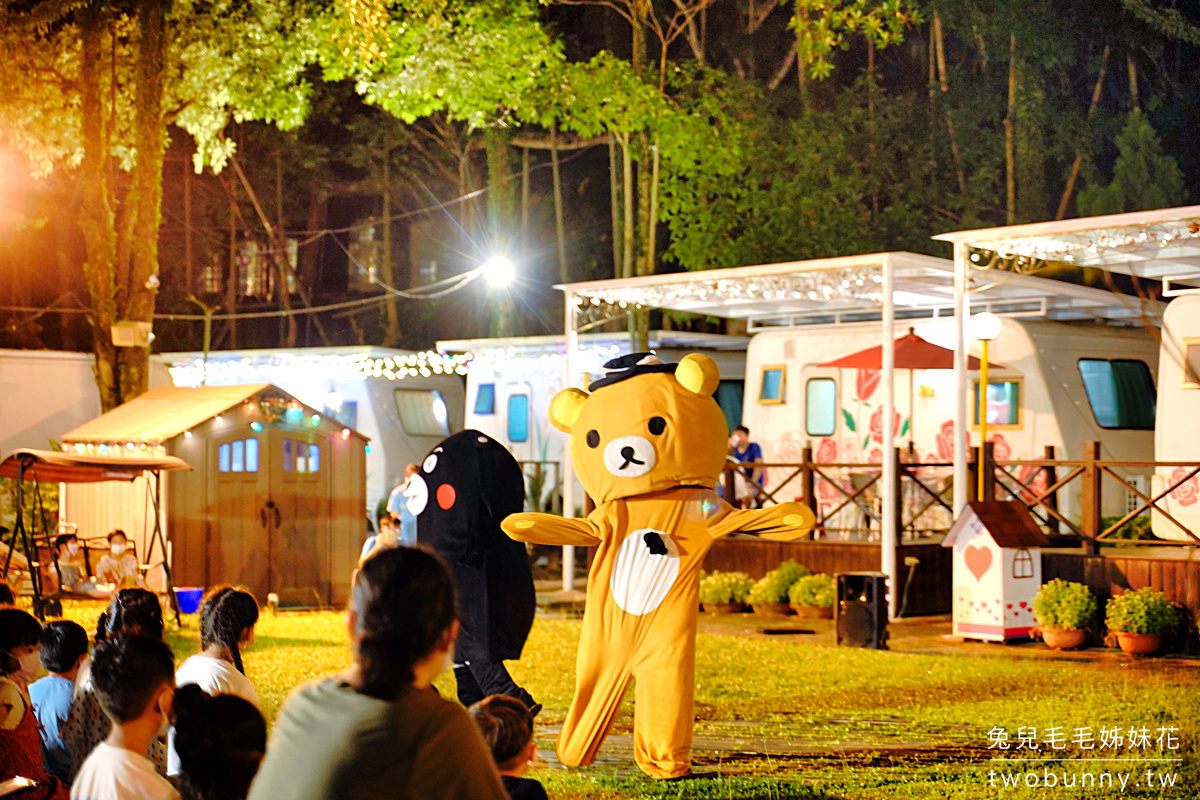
{"type": "Point", "coordinates": [20, 744]}
{"type": "Point", "coordinates": [132, 612]}
{"type": "Point", "coordinates": [119, 566]}
{"type": "Point", "coordinates": [380, 729]}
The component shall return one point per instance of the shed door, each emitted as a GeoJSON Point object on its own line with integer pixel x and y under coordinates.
{"type": "Point", "coordinates": [299, 518]}
{"type": "Point", "coordinates": [236, 548]}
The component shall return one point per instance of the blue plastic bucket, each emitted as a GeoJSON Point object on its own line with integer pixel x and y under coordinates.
{"type": "Point", "coordinates": [189, 598]}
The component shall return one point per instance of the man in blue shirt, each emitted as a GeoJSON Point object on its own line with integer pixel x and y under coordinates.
{"type": "Point", "coordinates": [64, 648]}
{"type": "Point", "coordinates": [749, 480]}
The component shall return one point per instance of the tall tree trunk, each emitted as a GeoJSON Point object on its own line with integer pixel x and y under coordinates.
{"type": "Point", "coordinates": [560, 236]}
{"type": "Point", "coordinates": [1070, 188]}
{"type": "Point", "coordinates": [391, 336]}
{"type": "Point", "coordinates": [614, 193]}
{"type": "Point", "coordinates": [1133, 81]}
{"type": "Point", "coordinates": [1010, 159]}
{"type": "Point", "coordinates": [801, 62]}
{"type": "Point", "coordinates": [944, 83]}
{"type": "Point", "coordinates": [96, 215]}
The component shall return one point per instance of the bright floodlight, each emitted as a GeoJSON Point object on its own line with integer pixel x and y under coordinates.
{"type": "Point", "coordinates": [499, 271]}
{"type": "Point", "coordinates": [985, 326]}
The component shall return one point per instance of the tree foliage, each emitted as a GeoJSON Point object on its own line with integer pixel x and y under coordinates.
{"type": "Point", "coordinates": [1143, 177]}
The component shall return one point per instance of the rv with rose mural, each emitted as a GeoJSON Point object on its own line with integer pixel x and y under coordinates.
{"type": "Point", "coordinates": [1050, 383]}
{"type": "Point", "coordinates": [1177, 435]}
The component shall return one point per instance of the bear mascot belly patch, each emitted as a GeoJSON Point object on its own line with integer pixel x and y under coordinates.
{"type": "Point", "coordinates": [648, 444]}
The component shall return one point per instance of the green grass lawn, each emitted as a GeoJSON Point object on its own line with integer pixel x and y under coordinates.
{"type": "Point", "coordinates": [797, 720]}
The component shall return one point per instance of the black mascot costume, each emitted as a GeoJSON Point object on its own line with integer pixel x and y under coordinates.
{"type": "Point", "coordinates": [466, 486]}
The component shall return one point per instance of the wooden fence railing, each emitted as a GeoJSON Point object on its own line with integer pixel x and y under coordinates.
{"type": "Point", "coordinates": [846, 497]}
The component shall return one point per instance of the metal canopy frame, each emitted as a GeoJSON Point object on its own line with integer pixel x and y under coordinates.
{"type": "Point", "coordinates": [1163, 245]}
{"type": "Point", "coordinates": [875, 286]}
{"type": "Point", "coordinates": [41, 466]}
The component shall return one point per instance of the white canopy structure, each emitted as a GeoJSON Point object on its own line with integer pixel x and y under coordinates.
{"type": "Point", "coordinates": [882, 286]}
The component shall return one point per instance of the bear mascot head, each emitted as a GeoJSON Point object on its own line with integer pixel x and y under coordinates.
{"type": "Point", "coordinates": [646, 427]}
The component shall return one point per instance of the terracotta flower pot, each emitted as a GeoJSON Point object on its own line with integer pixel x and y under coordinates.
{"type": "Point", "coordinates": [1140, 644]}
{"type": "Point", "coordinates": [812, 612]}
{"type": "Point", "coordinates": [772, 609]}
{"type": "Point", "coordinates": [1063, 639]}
{"type": "Point", "coordinates": [724, 608]}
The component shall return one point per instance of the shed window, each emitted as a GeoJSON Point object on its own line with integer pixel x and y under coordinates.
{"type": "Point", "coordinates": [422, 412]}
{"type": "Point", "coordinates": [239, 456]}
{"type": "Point", "coordinates": [1003, 404]}
{"type": "Point", "coordinates": [771, 390]}
{"type": "Point", "coordinates": [1120, 392]}
{"type": "Point", "coordinates": [485, 399]}
{"type": "Point", "coordinates": [820, 406]}
{"type": "Point", "coordinates": [1022, 564]}
{"type": "Point", "coordinates": [518, 417]}
{"type": "Point", "coordinates": [314, 458]}
{"type": "Point", "coordinates": [289, 457]}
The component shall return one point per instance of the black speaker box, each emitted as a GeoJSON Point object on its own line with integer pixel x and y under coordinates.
{"type": "Point", "coordinates": [862, 610]}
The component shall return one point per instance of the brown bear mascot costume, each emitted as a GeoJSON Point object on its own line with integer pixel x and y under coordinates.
{"type": "Point", "coordinates": [466, 486]}
{"type": "Point", "coordinates": [648, 444]}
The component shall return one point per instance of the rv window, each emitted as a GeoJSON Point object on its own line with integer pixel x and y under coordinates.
{"type": "Point", "coordinates": [485, 399]}
{"type": "Point", "coordinates": [1121, 393]}
{"type": "Point", "coordinates": [422, 412]}
{"type": "Point", "coordinates": [518, 417]}
{"type": "Point", "coordinates": [1003, 404]}
{"type": "Point", "coordinates": [820, 407]}
{"type": "Point", "coordinates": [771, 390]}
{"type": "Point", "coordinates": [1191, 364]}
{"type": "Point", "coordinates": [223, 458]}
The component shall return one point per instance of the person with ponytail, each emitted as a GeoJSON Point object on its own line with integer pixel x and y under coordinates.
{"type": "Point", "coordinates": [380, 729]}
{"type": "Point", "coordinates": [220, 740]}
{"type": "Point", "coordinates": [227, 619]}
{"type": "Point", "coordinates": [131, 612]}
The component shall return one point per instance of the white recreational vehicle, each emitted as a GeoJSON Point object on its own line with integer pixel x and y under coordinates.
{"type": "Point", "coordinates": [510, 382]}
{"type": "Point", "coordinates": [1050, 383]}
{"type": "Point", "coordinates": [403, 402]}
{"type": "Point", "coordinates": [1177, 436]}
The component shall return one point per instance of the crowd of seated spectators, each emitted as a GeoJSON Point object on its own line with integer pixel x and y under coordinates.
{"type": "Point", "coordinates": [126, 722]}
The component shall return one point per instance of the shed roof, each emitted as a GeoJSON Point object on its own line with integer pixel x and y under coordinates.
{"type": "Point", "coordinates": [163, 413]}
{"type": "Point", "coordinates": [1007, 521]}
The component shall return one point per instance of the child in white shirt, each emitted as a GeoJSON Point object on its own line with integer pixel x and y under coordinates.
{"type": "Point", "coordinates": [134, 680]}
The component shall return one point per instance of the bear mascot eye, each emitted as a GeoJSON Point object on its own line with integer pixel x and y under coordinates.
{"type": "Point", "coordinates": [657, 425]}
{"type": "Point", "coordinates": [593, 439]}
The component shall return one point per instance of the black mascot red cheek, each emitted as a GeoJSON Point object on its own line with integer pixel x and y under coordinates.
{"type": "Point", "coordinates": [470, 483]}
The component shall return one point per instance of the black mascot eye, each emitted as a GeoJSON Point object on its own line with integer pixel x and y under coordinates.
{"type": "Point", "coordinates": [657, 425]}
{"type": "Point", "coordinates": [593, 439]}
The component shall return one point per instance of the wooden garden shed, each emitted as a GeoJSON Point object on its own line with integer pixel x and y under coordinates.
{"type": "Point", "coordinates": [275, 500]}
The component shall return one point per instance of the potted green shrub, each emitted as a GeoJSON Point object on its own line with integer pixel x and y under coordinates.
{"type": "Point", "coordinates": [769, 595]}
{"type": "Point", "coordinates": [1063, 610]}
{"type": "Point", "coordinates": [812, 596]}
{"type": "Point", "coordinates": [1141, 620]}
{"type": "Point", "coordinates": [725, 592]}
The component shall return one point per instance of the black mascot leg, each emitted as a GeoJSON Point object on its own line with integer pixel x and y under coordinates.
{"type": "Point", "coordinates": [493, 678]}
{"type": "Point", "coordinates": [469, 692]}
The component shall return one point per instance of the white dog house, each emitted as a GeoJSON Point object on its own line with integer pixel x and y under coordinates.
{"type": "Point", "coordinates": [997, 570]}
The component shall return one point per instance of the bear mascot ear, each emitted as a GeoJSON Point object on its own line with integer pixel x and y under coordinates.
{"type": "Point", "coordinates": [698, 374]}
{"type": "Point", "coordinates": [565, 408]}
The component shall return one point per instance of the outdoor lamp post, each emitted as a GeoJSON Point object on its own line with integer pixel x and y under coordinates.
{"type": "Point", "coordinates": [984, 327]}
